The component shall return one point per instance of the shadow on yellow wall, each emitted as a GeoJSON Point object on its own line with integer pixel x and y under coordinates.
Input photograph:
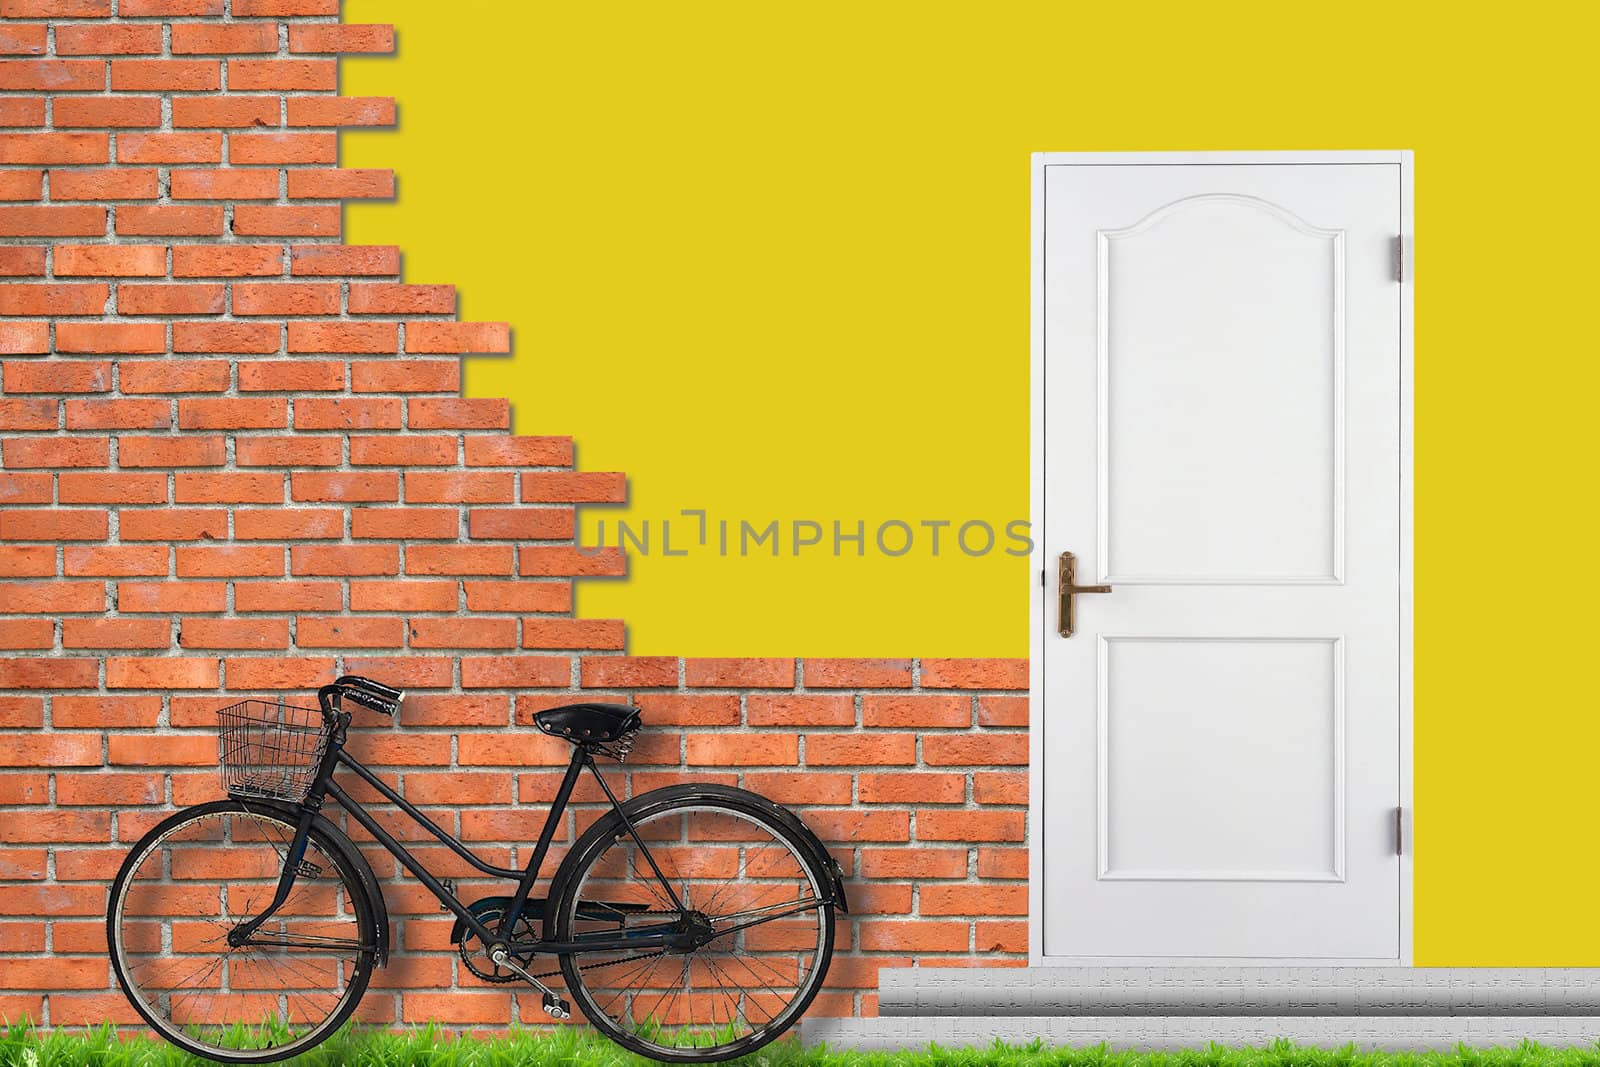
{"type": "Point", "coordinates": [772, 261]}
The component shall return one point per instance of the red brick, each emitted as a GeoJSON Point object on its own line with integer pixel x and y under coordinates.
{"type": "Point", "coordinates": [22, 452]}
{"type": "Point", "coordinates": [105, 40]}
{"type": "Point", "coordinates": [535, 524]}
{"type": "Point", "coordinates": [344, 560]}
{"type": "Point", "coordinates": [912, 711]}
{"type": "Point", "coordinates": [229, 561]}
{"type": "Point", "coordinates": [428, 336]}
{"type": "Point", "coordinates": [123, 183]}
{"type": "Point", "coordinates": [918, 863]}
{"type": "Point", "coordinates": [104, 712]}
{"type": "Point", "coordinates": [111, 337]}
{"type": "Point", "coordinates": [391, 524]}
{"type": "Point", "coordinates": [186, 451]}
{"type": "Point", "coordinates": [228, 487]}
{"type": "Point", "coordinates": [231, 261]}
{"type": "Point", "coordinates": [865, 749]}
{"type": "Point", "coordinates": [463, 633]}
{"type": "Point", "coordinates": [52, 597]}
{"type": "Point", "coordinates": [101, 487]}
{"type": "Point", "coordinates": [53, 147]}
{"type": "Point", "coordinates": [913, 787]}
{"type": "Point", "coordinates": [806, 787]}
{"type": "Point", "coordinates": [53, 75]}
{"type": "Point", "coordinates": [344, 486]}
{"type": "Point", "coordinates": [458, 559]}
{"type": "Point", "coordinates": [514, 672]}
{"type": "Point", "coordinates": [119, 414]}
{"type": "Point", "coordinates": [519, 596]}
{"type": "Point", "coordinates": [437, 487]}
{"type": "Point", "coordinates": [264, 634]}
{"type": "Point", "coordinates": [110, 789]}
{"type": "Point", "coordinates": [1002, 711]}
{"type": "Point", "coordinates": [175, 524]}
{"type": "Point", "coordinates": [341, 37]}
{"type": "Point", "coordinates": [914, 935]}
{"type": "Point", "coordinates": [27, 633]}
{"type": "Point", "coordinates": [58, 376]}
{"type": "Point", "coordinates": [24, 40]}
{"type": "Point", "coordinates": [26, 488]}
{"type": "Point", "coordinates": [115, 633]}
{"type": "Point", "coordinates": [286, 298]}
{"type": "Point", "coordinates": [356, 337]}
{"type": "Point", "coordinates": [975, 674]}
{"type": "Point", "coordinates": [25, 865]}
{"type": "Point", "coordinates": [166, 75]}
{"type": "Point", "coordinates": [252, 337]}
{"type": "Point", "coordinates": [161, 672]}
{"type": "Point", "coordinates": [397, 299]}
{"type": "Point", "coordinates": [127, 261]}
{"type": "Point", "coordinates": [811, 709]}
{"type": "Point", "coordinates": [53, 900]}
{"type": "Point", "coordinates": [21, 184]}
{"type": "Point", "coordinates": [291, 376]}
{"type": "Point", "coordinates": [21, 111]}
{"type": "Point", "coordinates": [286, 596]}
{"type": "Point", "coordinates": [55, 9]}
{"type": "Point", "coordinates": [28, 414]}
{"type": "Point", "coordinates": [115, 560]}
{"type": "Point", "coordinates": [341, 111]}
{"type": "Point", "coordinates": [24, 338]}
{"type": "Point", "coordinates": [628, 671]}
{"type": "Point", "coordinates": [954, 750]}
{"type": "Point", "coordinates": [409, 450]}
{"type": "Point", "coordinates": [287, 451]}
{"type": "Point", "coordinates": [119, 112]}
{"type": "Point", "coordinates": [288, 524]}
{"type": "Point", "coordinates": [571, 487]}
{"type": "Point", "coordinates": [278, 148]}
{"type": "Point", "coordinates": [169, 148]}
{"type": "Point", "coordinates": [189, 38]}
{"type": "Point", "coordinates": [188, 299]}
{"type": "Point", "coordinates": [970, 825]}
{"type": "Point", "coordinates": [458, 413]}
{"type": "Point", "coordinates": [78, 220]}
{"type": "Point", "coordinates": [1002, 863]}
{"type": "Point", "coordinates": [312, 632]}
{"type": "Point", "coordinates": [681, 709]}
{"type": "Point", "coordinates": [1000, 787]}
{"type": "Point", "coordinates": [745, 750]}
{"type": "Point", "coordinates": [247, 673]}
{"type": "Point", "coordinates": [992, 937]}
{"type": "Point", "coordinates": [158, 8]}
{"type": "Point", "coordinates": [499, 451]}
{"type": "Point", "coordinates": [27, 561]}
{"type": "Point", "coordinates": [403, 596]}
{"type": "Point", "coordinates": [53, 673]}
{"type": "Point", "coordinates": [37, 524]}
{"type": "Point", "coordinates": [225, 184]}
{"type": "Point", "coordinates": [172, 596]}
{"type": "Point", "coordinates": [853, 826]}
{"type": "Point", "coordinates": [572, 633]}
{"type": "Point", "coordinates": [345, 413]}
{"type": "Point", "coordinates": [339, 184]}
{"type": "Point", "coordinates": [254, 75]}
{"type": "Point", "coordinates": [369, 260]}
{"type": "Point", "coordinates": [142, 750]}
{"type": "Point", "coordinates": [58, 827]}
{"type": "Point", "coordinates": [229, 413]}
{"type": "Point", "coordinates": [406, 376]}
{"type": "Point", "coordinates": [857, 673]}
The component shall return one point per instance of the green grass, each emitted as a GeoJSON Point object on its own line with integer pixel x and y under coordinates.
{"type": "Point", "coordinates": [25, 1046]}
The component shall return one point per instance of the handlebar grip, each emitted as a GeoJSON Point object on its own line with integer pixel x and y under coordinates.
{"type": "Point", "coordinates": [375, 688]}
{"type": "Point", "coordinates": [371, 700]}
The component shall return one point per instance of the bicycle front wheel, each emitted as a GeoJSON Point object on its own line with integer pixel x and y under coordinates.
{"type": "Point", "coordinates": [745, 880]}
{"type": "Point", "coordinates": [200, 874]}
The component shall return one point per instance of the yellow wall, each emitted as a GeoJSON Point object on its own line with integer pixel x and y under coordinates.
{"type": "Point", "coordinates": [772, 261]}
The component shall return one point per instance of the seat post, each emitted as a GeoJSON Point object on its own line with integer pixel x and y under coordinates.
{"type": "Point", "coordinates": [580, 756]}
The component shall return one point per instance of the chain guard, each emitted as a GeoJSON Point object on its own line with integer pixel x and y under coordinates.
{"type": "Point", "coordinates": [475, 954]}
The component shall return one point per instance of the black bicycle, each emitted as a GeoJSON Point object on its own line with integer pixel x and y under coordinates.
{"type": "Point", "coordinates": [690, 924]}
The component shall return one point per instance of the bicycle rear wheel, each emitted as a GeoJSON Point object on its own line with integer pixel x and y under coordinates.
{"type": "Point", "coordinates": [198, 875]}
{"type": "Point", "coordinates": [746, 880]}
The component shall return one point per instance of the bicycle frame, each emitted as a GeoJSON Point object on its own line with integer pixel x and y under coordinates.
{"type": "Point", "coordinates": [659, 935]}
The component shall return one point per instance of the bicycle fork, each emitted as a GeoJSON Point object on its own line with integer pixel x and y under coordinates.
{"type": "Point", "coordinates": [291, 868]}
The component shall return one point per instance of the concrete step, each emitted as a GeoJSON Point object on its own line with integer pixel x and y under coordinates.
{"type": "Point", "coordinates": [1170, 1033]}
{"type": "Point", "coordinates": [1272, 992]}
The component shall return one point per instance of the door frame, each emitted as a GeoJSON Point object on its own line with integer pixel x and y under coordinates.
{"type": "Point", "coordinates": [1039, 631]}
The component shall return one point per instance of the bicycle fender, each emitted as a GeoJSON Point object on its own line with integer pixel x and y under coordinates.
{"type": "Point", "coordinates": [819, 851]}
{"type": "Point", "coordinates": [351, 855]}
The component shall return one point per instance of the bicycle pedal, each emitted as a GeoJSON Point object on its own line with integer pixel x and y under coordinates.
{"type": "Point", "coordinates": [449, 887]}
{"type": "Point", "coordinates": [555, 1007]}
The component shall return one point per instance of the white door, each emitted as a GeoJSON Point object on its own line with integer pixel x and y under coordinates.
{"type": "Point", "coordinates": [1220, 438]}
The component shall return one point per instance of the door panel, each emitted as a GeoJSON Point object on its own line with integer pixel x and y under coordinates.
{"type": "Point", "coordinates": [1221, 444]}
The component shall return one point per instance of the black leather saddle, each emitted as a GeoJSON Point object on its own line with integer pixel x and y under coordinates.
{"type": "Point", "coordinates": [588, 723]}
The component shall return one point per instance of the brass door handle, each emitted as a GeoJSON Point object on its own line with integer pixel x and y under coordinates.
{"type": "Point", "coordinates": [1067, 577]}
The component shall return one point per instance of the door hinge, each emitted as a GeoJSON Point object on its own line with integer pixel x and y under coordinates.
{"type": "Point", "coordinates": [1399, 831]}
{"type": "Point", "coordinates": [1402, 259]}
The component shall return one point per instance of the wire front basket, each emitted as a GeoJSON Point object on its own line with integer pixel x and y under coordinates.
{"type": "Point", "coordinates": [270, 749]}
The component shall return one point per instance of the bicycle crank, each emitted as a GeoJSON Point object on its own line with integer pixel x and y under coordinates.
{"type": "Point", "coordinates": [554, 1006]}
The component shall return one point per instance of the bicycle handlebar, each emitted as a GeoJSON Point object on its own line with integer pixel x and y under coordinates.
{"type": "Point", "coordinates": [369, 694]}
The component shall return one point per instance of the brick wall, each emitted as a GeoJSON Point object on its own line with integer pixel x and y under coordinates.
{"type": "Point", "coordinates": [235, 461]}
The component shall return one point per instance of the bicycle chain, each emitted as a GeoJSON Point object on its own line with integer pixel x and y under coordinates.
{"type": "Point", "coordinates": [502, 980]}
